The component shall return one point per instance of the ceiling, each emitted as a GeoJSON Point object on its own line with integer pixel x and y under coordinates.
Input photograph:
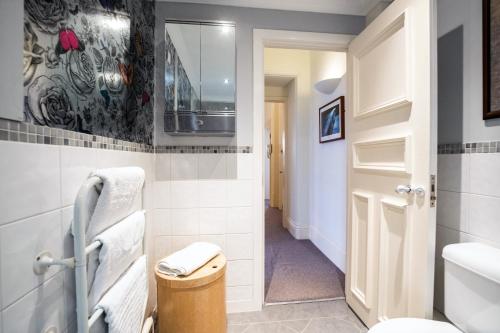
{"type": "Point", "coordinates": [352, 7]}
{"type": "Point", "coordinates": [277, 81]}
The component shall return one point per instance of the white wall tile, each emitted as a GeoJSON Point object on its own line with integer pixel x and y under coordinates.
{"type": "Point", "coordinates": [445, 236]}
{"type": "Point", "coordinates": [69, 291]}
{"type": "Point", "coordinates": [163, 167]}
{"type": "Point", "coordinates": [239, 293]}
{"type": "Point", "coordinates": [30, 180]}
{"type": "Point", "coordinates": [20, 242]}
{"type": "Point", "coordinates": [184, 166]}
{"type": "Point", "coordinates": [185, 221]}
{"type": "Point", "coordinates": [239, 273]}
{"type": "Point", "coordinates": [453, 172]}
{"type": "Point", "coordinates": [112, 158]}
{"type": "Point", "coordinates": [452, 208]}
{"type": "Point", "coordinates": [468, 238]}
{"type": "Point", "coordinates": [163, 247]}
{"type": "Point", "coordinates": [76, 165]}
{"type": "Point", "coordinates": [162, 196]}
{"type": "Point", "coordinates": [239, 220]}
{"type": "Point", "coordinates": [212, 166]}
{"type": "Point", "coordinates": [485, 217]}
{"type": "Point", "coordinates": [239, 246]}
{"type": "Point", "coordinates": [67, 236]}
{"type": "Point", "coordinates": [213, 193]}
{"type": "Point", "coordinates": [184, 194]}
{"type": "Point", "coordinates": [162, 222]}
{"type": "Point", "coordinates": [241, 193]}
{"type": "Point", "coordinates": [180, 242]}
{"type": "Point", "coordinates": [484, 175]}
{"type": "Point", "coordinates": [219, 240]}
{"type": "Point", "coordinates": [213, 221]}
{"type": "Point", "coordinates": [37, 311]}
{"type": "Point", "coordinates": [439, 285]}
{"type": "Point", "coordinates": [240, 166]}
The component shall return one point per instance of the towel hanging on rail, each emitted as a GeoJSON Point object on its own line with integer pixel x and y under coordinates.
{"type": "Point", "coordinates": [121, 188]}
{"type": "Point", "coordinates": [125, 303]}
{"type": "Point", "coordinates": [121, 246]}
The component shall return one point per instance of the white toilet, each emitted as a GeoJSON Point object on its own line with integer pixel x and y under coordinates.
{"type": "Point", "coordinates": [471, 294]}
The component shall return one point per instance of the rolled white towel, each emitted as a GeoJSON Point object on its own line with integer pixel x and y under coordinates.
{"type": "Point", "coordinates": [189, 259]}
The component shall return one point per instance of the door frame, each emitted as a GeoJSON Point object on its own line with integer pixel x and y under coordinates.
{"type": "Point", "coordinates": [263, 38]}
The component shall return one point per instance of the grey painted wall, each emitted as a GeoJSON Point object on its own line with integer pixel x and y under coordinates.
{"type": "Point", "coordinates": [11, 56]}
{"type": "Point", "coordinates": [467, 14]}
{"type": "Point", "coordinates": [246, 19]}
{"type": "Point", "coordinates": [450, 86]}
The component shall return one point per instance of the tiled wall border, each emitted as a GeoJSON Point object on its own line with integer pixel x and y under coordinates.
{"type": "Point", "coordinates": [23, 132]}
{"type": "Point", "coordinates": [29, 133]}
{"type": "Point", "coordinates": [203, 149]}
{"type": "Point", "coordinates": [470, 148]}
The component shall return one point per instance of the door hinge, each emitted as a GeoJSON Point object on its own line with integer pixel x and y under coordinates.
{"type": "Point", "coordinates": [433, 191]}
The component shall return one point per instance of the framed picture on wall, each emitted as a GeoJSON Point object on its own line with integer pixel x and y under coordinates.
{"type": "Point", "coordinates": [331, 121]}
{"type": "Point", "coordinates": [491, 59]}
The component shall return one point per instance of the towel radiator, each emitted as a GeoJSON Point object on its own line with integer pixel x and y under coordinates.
{"type": "Point", "coordinates": [44, 260]}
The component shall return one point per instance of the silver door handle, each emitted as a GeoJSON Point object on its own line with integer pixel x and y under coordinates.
{"type": "Point", "coordinates": [402, 189]}
{"type": "Point", "coordinates": [419, 191]}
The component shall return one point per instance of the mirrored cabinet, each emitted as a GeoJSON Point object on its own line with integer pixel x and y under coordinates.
{"type": "Point", "coordinates": [200, 75]}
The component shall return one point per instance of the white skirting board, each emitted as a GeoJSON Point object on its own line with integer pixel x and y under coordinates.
{"type": "Point", "coordinates": [298, 232]}
{"type": "Point", "coordinates": [335, 253]}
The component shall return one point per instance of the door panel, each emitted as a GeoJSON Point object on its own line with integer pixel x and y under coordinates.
{"type": "Point", "coordinates": [361, 248]}
{"type": "Point", "coordinates": [394, 229]}
{"type": "Point", "coordinates": [388, 130]}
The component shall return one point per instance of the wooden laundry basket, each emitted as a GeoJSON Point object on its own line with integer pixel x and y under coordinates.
{"type": "Point", "coordinates": [195, 303]}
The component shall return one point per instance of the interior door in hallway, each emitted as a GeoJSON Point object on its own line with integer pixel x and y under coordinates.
{"type": "Point", "coordinates": [390, 137]}
{"type": "Point", "coordinates": [276, 112]}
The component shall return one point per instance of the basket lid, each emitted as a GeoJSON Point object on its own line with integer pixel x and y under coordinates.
{"type": "Point", "coordinates": [204, 275]}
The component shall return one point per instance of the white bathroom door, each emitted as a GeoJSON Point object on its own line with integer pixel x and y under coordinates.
{"type": "Point", "coordinates": [390, 131]}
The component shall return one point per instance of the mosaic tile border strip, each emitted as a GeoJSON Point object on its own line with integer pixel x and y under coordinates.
{"type": "Point", "coordinates": [28, 133]}
{"type": "Point", "coordinates": [203, 149]}
{"type": "Point", "coordinates": [470, 148]}
{"type": "Point", "coordinates": [16, 131]}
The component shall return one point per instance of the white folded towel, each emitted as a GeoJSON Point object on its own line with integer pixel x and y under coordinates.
{"type": "Point", "coordinates": [189, 259]}
{"type": "Point", "coordinates": [121, 246]}
{"type": "Point", "coordinates": [121, 188]}
{"type": "Point", "coordinates": [125, 303]}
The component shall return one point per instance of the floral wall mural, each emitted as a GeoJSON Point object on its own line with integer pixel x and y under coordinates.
{"type": "Point", "coordinates": [88, 66]}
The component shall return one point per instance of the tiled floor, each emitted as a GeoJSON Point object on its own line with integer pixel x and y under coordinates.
{"type": "Point", "coordinates": [315, 317]}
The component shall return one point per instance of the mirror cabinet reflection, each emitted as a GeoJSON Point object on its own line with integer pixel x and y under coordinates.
{"type": "Point", "coordinates": [200, 74]}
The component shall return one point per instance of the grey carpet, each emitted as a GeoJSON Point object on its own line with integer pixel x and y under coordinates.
{"type": "Point", "coordinates": [295, 269]}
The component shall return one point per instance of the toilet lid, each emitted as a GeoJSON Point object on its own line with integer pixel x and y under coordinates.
{"type": "Point", "coordinates": [413, 325]}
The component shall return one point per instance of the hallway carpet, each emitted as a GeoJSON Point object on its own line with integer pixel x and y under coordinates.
{"type": "Point", "coordinates": [295, 269]}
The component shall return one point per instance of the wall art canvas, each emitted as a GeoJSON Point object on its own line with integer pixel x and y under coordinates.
{"type": "Point", "coordinates": [491, 59]}
{"type": "Point", "coordinates": [88, 66]}
{"type": "Point", "coordinates": [331, 121]}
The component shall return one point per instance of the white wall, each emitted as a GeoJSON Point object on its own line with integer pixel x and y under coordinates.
{"type": "Point", "coordinates": [209, 197]}
{"type": "Point", "coordinates": [295, 63]}
{"type": "Point", "coordinates": [39, 185]}
{"type": "Point", "coordinates": [328, 174]}
{"type": "Point", "coordinates": [468, 203]}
